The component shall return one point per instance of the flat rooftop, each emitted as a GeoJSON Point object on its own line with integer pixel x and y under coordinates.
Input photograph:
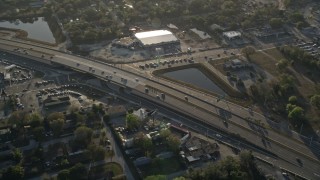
{"type": "Point", "coordinates": [232, 34]}
{"type": "Point", "coordinates": [155, 37]}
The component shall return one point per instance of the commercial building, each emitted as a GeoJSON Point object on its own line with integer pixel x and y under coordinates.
{"type": "Point", "coordinates": [156, 38]}
{"type": "Point", "coordinates": [158, 41]}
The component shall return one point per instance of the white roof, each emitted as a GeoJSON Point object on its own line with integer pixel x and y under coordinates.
{"type": "Point", "coordinates": [10, 67]}
{"type": "Point", "coordinates": [155, 37]}
{"type": "Point", "coordinates": [232, 34]}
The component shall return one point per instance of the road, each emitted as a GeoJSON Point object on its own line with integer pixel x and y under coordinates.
{"type": "Point", "coordinates": [202, 107]}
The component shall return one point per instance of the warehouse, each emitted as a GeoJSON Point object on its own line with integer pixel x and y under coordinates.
{"type": "Point", "coordinates": [160, 41]}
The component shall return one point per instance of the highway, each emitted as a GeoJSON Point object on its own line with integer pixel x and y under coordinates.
{"type": "Point", "coordinates": [200, 106]}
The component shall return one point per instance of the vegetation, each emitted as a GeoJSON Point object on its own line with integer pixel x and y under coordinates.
{"type": "Point", "coordinates": [14, 172]}
{"type": "Point", "coordinates": [229, 168]}
{"type": "Point", "coordinates": [83, 136]}
{"type": "Point", "coordinates": [156, 177]}
{"type": "Point", "coordinates": [78, 171]}
{"type": "Point", "coordinates": [132, 121]}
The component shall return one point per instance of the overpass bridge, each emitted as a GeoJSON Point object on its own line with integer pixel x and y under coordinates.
{"type": "Point", "coordinates": [200, 106]}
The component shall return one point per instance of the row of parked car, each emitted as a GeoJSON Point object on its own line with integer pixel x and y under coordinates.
{"type": "Point", "coordinates": [165, 62]}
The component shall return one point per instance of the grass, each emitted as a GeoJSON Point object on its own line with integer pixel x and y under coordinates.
{"type": "Point", "coordinates": [163, 166]}
{"type": "Point", "coordinates": [265, 62]}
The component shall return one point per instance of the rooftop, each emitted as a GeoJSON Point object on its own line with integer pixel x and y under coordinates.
{"type": "Point", "coordinates": [232, 34]}
{"type": "Point", "coordinates": [155, 37]}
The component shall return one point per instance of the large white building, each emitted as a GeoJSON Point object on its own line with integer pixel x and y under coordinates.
{"type": "Point", "coordinates": [156, 38]}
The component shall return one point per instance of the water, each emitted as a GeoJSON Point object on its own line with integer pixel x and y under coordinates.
{"type": "Point", "coordinates": [195, 77]}
{"type": "Point", "coordinates": [38, 30]}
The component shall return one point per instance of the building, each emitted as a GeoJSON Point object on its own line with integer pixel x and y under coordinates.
{"type": "Point", "coordinates": [230, 35]}
{"type": "Point", "coordinates": [126, 42]}
{"type": "Point", "coordinates": [158, 41]}
{"type": "Point", "coordinates": [156, 38]}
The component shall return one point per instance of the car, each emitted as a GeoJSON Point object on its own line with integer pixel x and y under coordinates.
{"type": "Point", "coordinates": [218, 136]}
{"type": "Point", "coordinates": [299, 161]}
{"type": "Point", "coordinates": [146, 128]}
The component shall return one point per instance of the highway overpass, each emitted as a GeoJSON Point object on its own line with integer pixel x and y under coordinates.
{"type": "Point", "coordinates": [200, 106]}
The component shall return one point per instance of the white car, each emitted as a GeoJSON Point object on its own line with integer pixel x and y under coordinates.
{"type": "Point", "coordinates": [218, 136]}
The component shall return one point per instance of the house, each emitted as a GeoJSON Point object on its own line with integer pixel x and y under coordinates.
{"type": "Point", "coordinates": [116, 111]}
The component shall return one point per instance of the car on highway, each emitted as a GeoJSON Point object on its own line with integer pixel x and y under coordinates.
{"type": "Point", "coordinates": [299, 161]}
{"type": "Point", "coordinates": [218, 136]}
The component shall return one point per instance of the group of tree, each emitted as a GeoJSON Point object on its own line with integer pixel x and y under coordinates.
{"type": "Point", "coordinates": [170, 140]}
{"type": "Point", "coordinates": [82, 137]}
{"type": "Point", "coordinates": [229, 168]}
{"type": "Point", "coordinates": [295, 112]}
{"type": "Point", "coordinates": [300, 56]}
{"type": "Point", "coordinates": [77, 172]}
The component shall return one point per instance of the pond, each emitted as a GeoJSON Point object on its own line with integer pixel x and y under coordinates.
{"type": "Point", "coordinates": [196, 78]}
{"type": "Point", "coordinates": [38, 30]}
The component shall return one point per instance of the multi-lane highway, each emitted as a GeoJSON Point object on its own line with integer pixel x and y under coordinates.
{"type": "Point", "coordinates": [201, 107]}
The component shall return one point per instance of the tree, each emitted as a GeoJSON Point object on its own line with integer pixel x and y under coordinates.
{"type": "Point", "coordinates": [282, 64]}
{"type": "Point", "coordinates": [276, 23]}
{"type": "Point", "coordinates": [97, 152]}
{"type": "Point", "coordinates": [83, 136]}
{"type": "Point", "coordinates": [78, 171]}
{"type": "Point", "coordinates": [63, 175]}
{"type": "Point", "coordinates": [56, 126]}
{"type": "Point", "coordinates": [246, 159]}
{"type": "Point", "coordinates": [14, 172]}
{"type": "Point", "coordinates": [164, 133]}
{"type": "Point", "coordinates": [55, 116]}
{"type": "Point", "coordinates": [35, 120]}
{"type": "Point", "coordinates": [143, 142]}
{"type": "Point", "coordinates": [156, 177]}
{"type": "Point", "coordinates": [173, 143]}
{"type": "Point", "coordinates": [293, 99]}
{"type": "Point", "coordinates": [315, 100]}
{"type": "Point", "coordinates": [296, 114]}
{"type": "Point", "coordinates": [38, 133]}
{"type": "Point", "coordinates": [248, 50]}
{"type": "Point", "coordinates": [16, 155]}
{"type": "Point", "coordinates": [17, 119]}
{"type": "Point", "coordinates": [132, 121]}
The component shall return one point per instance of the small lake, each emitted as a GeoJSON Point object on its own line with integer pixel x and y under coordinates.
{"type": "Point", "coordinates": [195, 77]}
{"type": "Point", "coordinates": [38, 30]}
